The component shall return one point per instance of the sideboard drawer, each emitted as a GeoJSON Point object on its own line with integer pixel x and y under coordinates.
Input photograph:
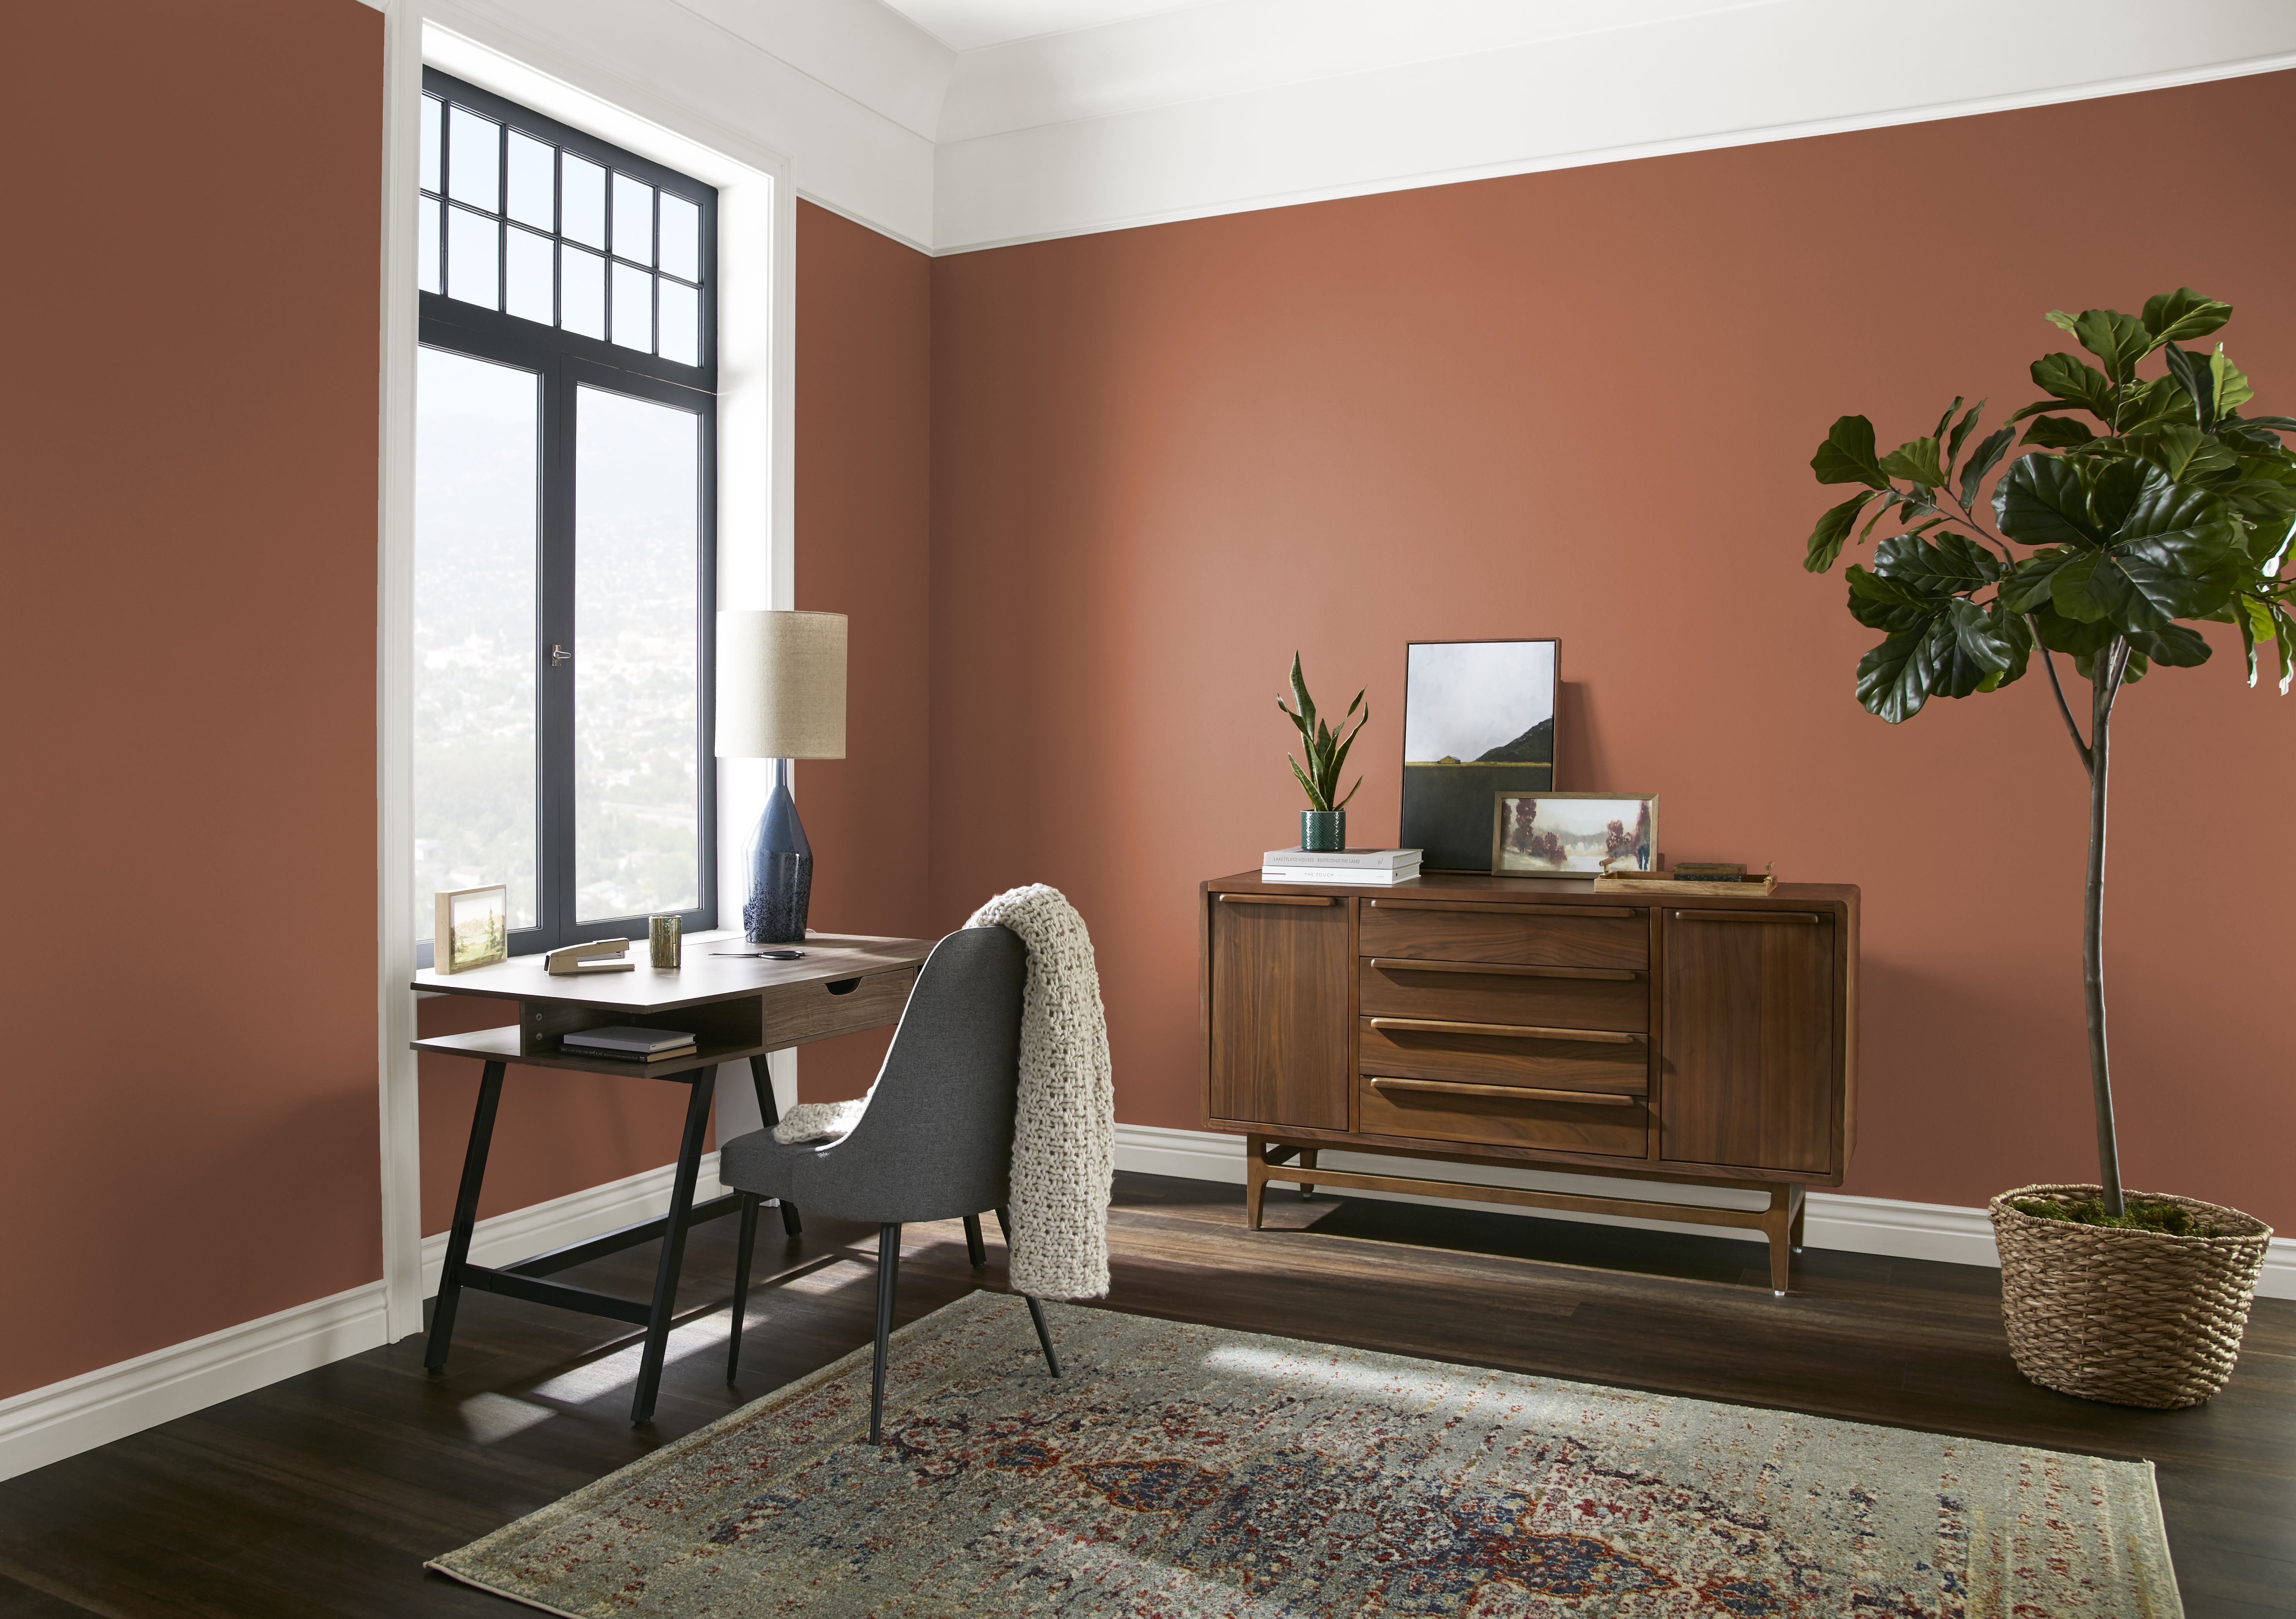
{"type": "Point", "coordinates": [1616, 1129]}
{"type": "Point", "coordinates": [1402, 1052]}
{"type": "Point", "coordinates": [1483, 992]}
{"type": "Point", "coordinates": [1594, 936]}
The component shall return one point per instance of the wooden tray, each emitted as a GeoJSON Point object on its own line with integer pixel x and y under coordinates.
{"type": "Point", "coordinates": [1653, 882]}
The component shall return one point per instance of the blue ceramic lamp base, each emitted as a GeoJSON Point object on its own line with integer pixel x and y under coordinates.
{"type": "Point", "coordinates": [781, 869]}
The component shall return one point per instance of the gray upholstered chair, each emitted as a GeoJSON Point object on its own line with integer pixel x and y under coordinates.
{"type": "Point", "coordinates": [934, 1143]}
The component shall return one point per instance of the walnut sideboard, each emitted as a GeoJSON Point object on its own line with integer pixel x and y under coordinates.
{"type": "Point", "coordinates": [1479, 1020]}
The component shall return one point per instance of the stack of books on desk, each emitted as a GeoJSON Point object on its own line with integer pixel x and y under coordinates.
{"type": "Point", "coordinates": [1371, 868]}
{"type": "Point", "coordinates": [625, 1043]}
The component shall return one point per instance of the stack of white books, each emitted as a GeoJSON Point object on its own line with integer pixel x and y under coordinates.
{"type": "Point", "coordinates": [1373, 867]}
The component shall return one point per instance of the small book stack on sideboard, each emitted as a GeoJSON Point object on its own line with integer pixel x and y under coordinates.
{"type": "Point", "coordinates": [1708, 1040]}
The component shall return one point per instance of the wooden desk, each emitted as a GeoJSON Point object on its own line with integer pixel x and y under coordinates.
{"type": "Point", "coordinates": [738, 1008]}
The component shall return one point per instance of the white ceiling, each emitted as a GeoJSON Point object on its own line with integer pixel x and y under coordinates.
{"type": "Point", "coordinates": [967, 25]}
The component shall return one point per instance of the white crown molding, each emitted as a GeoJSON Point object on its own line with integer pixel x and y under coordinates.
{"type": "Point", "coordinates": [48, 1423]}
{"type": "Point", "coordinates": [1884, 1226]}
{"type": "Point", "coordinates": [1784, 71]}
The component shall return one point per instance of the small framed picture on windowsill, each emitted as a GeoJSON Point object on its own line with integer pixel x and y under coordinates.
{"type": "Point", "coordinates": [1573, 834]}
{"type": "Point", "coordinates": [471, 928]}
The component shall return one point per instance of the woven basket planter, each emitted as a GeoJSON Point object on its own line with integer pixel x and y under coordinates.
{"type": "Point", "coordinates": [2132, 1318]}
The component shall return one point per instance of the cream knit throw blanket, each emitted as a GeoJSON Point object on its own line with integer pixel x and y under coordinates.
{"type": "Point", "coordinates": [1064, 1130]}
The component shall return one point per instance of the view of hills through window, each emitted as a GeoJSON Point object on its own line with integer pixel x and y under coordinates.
{"type": "Point", "coordinates": [562, 533]}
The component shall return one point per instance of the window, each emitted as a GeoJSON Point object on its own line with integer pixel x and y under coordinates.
{"type": "Point", "coordinates": [566, 431]}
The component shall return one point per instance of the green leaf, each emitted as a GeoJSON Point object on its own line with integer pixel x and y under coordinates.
{"type": "Point", "coordinates": [2232, 388]}
{"type": "Point", "coordinates": [2034, 409]}
{"type": "Point", "coordinates": [2114, 488]}
{"type": "Point", "coordinates": [1300, 695]}
{"type": "Point", "coordinates": [2143, 405]}
{"type": "Point", "coordinates": [1825, 540]}
{"type": "Point", "coordinates": [2287, 647]}
{"type": "Point", "coordinates": [2117, 340]}
{"type": "Point", "coordinates": [2198, 380]}
{"type": "Point", "coordinates": [1971, 650]}
{"type": "Point", "coordinates": [2026, 589]}
{"type": "Point", "coordinates": [1961, 432]}
{"type": "Point", "coordinates": [2171, 447]}
{"type": "Point", "coordinates": [2017, 635]}
{"type": "Point", "coordinates": [2180, 551]}
{"type": "Point", "coordinates": [2254, 618]}
{"type": "Point", "coordinates": [2057, 432]}
{"type": "Point", "coordinates": [2059, 634]}
{"type": "Point", "coordinates": [2058, 317]}
{"type": "Point", "coordinates": [2285, 424]}
{"type": "Point", "coordinates": [1939, 431]}
{"type": "Point", "coordinates": [2182, 314]}
{"type": "Point", "coordinates": [2074, 381]}
{"type": "Point", "coordinates": [1884, 604]}
{"type": "Point", "coordinates": [1847, 455]}
{"type": "Point", "coordinates": [1955, 565]}
{"type": "Point", "coordinates": [2172, 646]}
{"type": "Point", "coordinates": [1915, 461]}
{"type": "Point", "coordinates": [2041, 500]}
{"type": "Point", "coordinates": [1892, 682]}
{"type": "Point", "coordinates": [1981, 461]}
{"type": "Point", "coordinates": [1314, 798]}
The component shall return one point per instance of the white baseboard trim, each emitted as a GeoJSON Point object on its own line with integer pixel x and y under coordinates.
{"type": "Point", "coordinates": [61, 1420]}
{"type": "Point", "coordinates": [1884, 1226]}
{"type": "Point", "coordinates": [46, 1425]}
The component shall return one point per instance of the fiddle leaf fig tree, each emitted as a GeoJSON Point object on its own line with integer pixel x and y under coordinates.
{"type": "Point", "coordinates": [2139, 507]}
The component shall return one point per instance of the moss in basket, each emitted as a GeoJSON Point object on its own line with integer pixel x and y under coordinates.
{"type": "Point", "coordinates": [2173, 1218]}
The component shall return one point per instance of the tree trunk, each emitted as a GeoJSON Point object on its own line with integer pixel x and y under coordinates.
{"type": "Point", "coordinates": [2109, 666]}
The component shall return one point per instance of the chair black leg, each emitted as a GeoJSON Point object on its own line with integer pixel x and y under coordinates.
{"type": "Point", "coordinates": [889, 1274]}
{"type": "Point", "coordinates": [769, 1114]}
{"type": "Point", "coordinates": [974, 1249]}
{"type": "Point", "coordinates": [1045, 1337]}
{"type": "Point", "coordinates": [1004, 1227]}
{"type": "Point", "coordinates": [741, 1284]}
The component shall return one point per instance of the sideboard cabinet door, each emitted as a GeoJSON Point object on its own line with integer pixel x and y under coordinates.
{"type": "Point", "coordinates": [1279, 1013]}
{"type": "Point", "coordinates": [1749, 1040]}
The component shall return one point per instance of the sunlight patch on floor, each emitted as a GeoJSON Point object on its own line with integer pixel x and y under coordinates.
{"type": "Point", "coordinates": [489, 1418]}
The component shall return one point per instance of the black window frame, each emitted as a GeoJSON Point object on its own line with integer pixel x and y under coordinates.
{"type": "Point", "coordinates": [566, 362]}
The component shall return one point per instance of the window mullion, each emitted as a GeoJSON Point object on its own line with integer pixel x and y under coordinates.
{"type": "Point", "coordinates": [557, 680]}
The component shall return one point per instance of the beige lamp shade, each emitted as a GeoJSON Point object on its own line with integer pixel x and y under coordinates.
{"type": "Point", "coordinates": [781, 685]}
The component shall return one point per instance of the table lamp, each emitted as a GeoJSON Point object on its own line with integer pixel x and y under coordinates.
{"type": "Point", "coordinates": [781, 696]}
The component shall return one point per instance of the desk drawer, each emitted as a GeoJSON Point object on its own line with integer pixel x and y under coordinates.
{"type": "Point", "coordinates": [1593, 936]}
{"type": "Point", "coordinates": [1389, 1046]}
{"type": "Point", "coordinates": [1390, 1106]}
{"type": "Point", "coordinates": [799, 1012]}
{"type": "Point", "coordinates": [1614, 998]}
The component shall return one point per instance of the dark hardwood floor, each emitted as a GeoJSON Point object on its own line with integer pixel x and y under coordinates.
{"type": "Point", "coordinates": [323, 1495]}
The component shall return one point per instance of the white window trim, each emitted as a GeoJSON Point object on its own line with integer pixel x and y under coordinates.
{"type": "Point", "coordinates": [757, 496]}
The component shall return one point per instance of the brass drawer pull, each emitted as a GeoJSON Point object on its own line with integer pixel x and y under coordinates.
{"type": "Point", "coordinates": [1501, 969]}
{"type": "Point", "coordinates": [1600, 1098]}
{"type": "Point", "coordinates": [1561, 910]}
{"type": "Point", "coordinates": [1747, 916]}
{"type": "Point", "coordinates": [1277, 899]}
{"type": "Point", "coordinates": [1431, 1026]}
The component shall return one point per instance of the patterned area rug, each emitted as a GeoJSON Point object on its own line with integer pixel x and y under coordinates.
{"type": "Point", "coordinates": [1179, 1470]}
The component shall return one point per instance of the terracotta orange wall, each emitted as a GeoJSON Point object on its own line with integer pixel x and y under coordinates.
{"type": "Point", "coordinates": [1582, 405]}
{"type": "Point", "coordinates": [864, 516]}
{"type": "Point", "coordinates": [863, 399]}
{"type": "Point", "coordinates": [190, 1091]}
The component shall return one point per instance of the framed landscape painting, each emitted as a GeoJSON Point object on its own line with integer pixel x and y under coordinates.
{"type": "Point", "coordinates": [1478, 720]}
{"type": "Point", "coordinates": [472, 928]}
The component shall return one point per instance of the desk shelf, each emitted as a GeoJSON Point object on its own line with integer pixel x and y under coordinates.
{"type": "Point", "coordinates": [501, 1045]}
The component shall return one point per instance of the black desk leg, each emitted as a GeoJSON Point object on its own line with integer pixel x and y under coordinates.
{"type": "Point", "coordinates": [466, 1215]}
{"type": "Point", "coordinates": [769, 1114]}
{"type": "Point", "coordinates": [673, 1241]}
